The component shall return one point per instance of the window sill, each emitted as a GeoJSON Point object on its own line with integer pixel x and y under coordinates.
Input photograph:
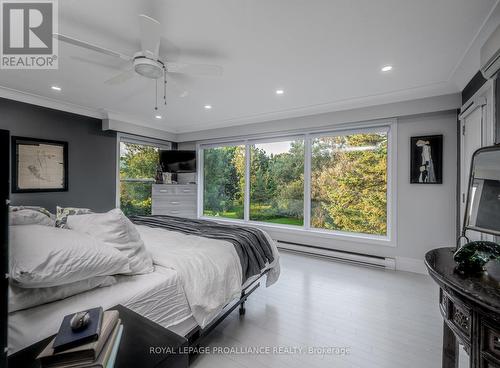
{"type": "Point", "coordinates": [325, 234]}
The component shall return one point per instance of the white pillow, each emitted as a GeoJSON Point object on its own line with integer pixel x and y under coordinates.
{"type": "Point", "coordinates": [115, 229]}
{"type": "Point", "coordinates": [22, 298]}
{"type": "Point", "coordinates": [42, 256]}
{"type": "Point", "coordinates": [62, 214]}
{"type": "Point", "coordinates": [29, 217]}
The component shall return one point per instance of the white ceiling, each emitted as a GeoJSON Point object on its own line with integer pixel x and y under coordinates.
{"type": "Point", "coordinates": [325, 54]}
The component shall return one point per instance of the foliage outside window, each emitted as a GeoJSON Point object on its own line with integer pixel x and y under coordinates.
{"type": "Point", "coordinates": [224, 181]}
{"type": "Point", "coordinates": [138, 164]}
{"type": "Point", "coordinates": [277, 182]}
{"type": "Point", "coordinates": [348, 182]}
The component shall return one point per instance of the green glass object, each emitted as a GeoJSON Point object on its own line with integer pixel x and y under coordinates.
{"type": "Point", "coordinates": [473, 256]}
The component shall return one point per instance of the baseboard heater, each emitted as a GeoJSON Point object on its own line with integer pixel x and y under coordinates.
{"type": "Point", "coordinates": [338, 255]}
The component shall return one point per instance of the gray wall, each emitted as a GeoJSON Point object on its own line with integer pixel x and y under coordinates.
{"type": "Point", "coordinates": [91, 153]}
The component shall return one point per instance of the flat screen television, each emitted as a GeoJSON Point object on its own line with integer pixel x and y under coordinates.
{"type": "Point", "coordinates": [178, 161]}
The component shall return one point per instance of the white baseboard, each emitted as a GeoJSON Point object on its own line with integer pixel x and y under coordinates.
{"type": "Point", "coordinates": [359, 259]}
{"type": "Point", "coordinates": [406, 264]}
{"type": "Point", "coordinates": [411, 265]}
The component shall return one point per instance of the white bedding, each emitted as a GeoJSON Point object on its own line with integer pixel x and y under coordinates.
{"type": "Point", "coordinates": [194, 279]}
{"type": "Point", "coordinates": [209, 269]}
{"type": "Point", "coordinates": [157, 296]}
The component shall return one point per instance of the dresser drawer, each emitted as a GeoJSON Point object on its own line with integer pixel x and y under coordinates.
{"type": "Point", "coordinates": [163, 189]}
{"type": "Point", "coordinates": [174, 212]}
{"type": "Point", "coordinates": [180, 190]}
{"type": "Point", "coordinates": [170, 201]}
{"type": "Point", "coordinates": [186, 190]}
{"type": "Point", "coordinates": [490, 339]}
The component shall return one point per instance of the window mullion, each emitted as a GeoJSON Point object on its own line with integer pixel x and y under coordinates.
{"type": "Point", "coordinates": [307, 181]}
{"type": "Point", "coordinates": [201, 185]}
{"type": "Point", "coordinates": [246, 203]}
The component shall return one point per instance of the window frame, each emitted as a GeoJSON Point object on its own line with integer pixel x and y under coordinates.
{"type": "Point", "coordinates": [133, 139]}
{"type": "Point", "coordinates": [388, 125]}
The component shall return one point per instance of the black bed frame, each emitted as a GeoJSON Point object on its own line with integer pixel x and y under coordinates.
{"type": "Point", "coordinates": [196, 335]}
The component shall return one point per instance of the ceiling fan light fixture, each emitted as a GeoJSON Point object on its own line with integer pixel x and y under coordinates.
{"type": "Point", "coordinates": [148, 68]}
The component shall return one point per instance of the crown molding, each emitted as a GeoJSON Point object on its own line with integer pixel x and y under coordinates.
{"type": "Point", "coordinates": [51, 103]}
{"type": "Point", "coordinates": [136, 129]}
{"type": "Point", "coordinates": [119, 121]}
{"type": "Point", "coordinates": [448, 102]}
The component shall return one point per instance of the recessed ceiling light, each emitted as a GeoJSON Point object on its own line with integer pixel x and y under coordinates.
{"type": "Point", "coordinates": [56, 88]}
{"type": "Point", "coordinates": [208, 107]}
{"type": "Point", "coordinates": [158, 116]}
{"type": "Point", "coordinates": [279, 91]}
{"type": "Point", "coordinates": [387, 68]}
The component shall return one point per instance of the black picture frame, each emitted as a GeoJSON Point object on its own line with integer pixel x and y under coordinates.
{"type": "Point", "coordinates": [15, 143]}
{"type": "Point", "coordinates": [425, 173]}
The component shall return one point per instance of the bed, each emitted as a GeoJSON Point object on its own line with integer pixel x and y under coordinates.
{"type": "Point", "coordinates": [195, 278]}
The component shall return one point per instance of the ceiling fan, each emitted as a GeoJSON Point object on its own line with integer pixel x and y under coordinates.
{"type": "Point", "coordinates": [147, 62]}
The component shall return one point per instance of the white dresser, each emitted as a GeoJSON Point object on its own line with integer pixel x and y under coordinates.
{"type": "Point", "coordinates": [175, 200]}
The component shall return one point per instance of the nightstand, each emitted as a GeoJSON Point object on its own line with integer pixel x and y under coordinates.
{"type": "Point", "coordinates": [137, 347]}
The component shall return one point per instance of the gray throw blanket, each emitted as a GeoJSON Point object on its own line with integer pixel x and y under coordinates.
{"type": "Point", "coordinates": [251, 244]}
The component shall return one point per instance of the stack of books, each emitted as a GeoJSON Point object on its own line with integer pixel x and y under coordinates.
{"type": "Point", "coordinates": [94, 346]}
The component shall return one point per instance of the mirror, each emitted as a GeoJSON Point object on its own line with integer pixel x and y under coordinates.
{"type": "Point", "coordinates": [483, 200]}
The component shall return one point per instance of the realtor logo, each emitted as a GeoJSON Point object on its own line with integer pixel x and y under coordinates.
{"type": "Point", "coordinates": [27, 29]}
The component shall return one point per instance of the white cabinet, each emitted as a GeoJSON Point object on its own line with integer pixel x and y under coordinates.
{"type": "Point", "coordinates": [175, 200]}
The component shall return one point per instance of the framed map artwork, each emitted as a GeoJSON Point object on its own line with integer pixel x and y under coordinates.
{"type": "Point", "coordinates": [39, 165]}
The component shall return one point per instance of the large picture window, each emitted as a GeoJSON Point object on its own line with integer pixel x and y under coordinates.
{"type": "Point", "coordinates": [349, 183]}
{"type": "Point", "coordinates": [277, 182]}
{"type": "Point", "coordinates": [138, 164]}
{"type": "Point", "coordinates": [330, 182]}
{"type": "Point", "coordinates": [224, 181]}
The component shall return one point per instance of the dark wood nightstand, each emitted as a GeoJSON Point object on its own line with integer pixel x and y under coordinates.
{"type": "Point", "coordinates": [140, 336]}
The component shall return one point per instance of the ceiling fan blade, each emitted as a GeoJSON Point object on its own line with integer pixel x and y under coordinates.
{"type": "Point", "coordinates": [195, 69]}
{"type": "Point", "coordinates": [150, 36]}
{"type": "Point", "coordinates": [92, 61]}
{"type": "Point", "coordinates": [121, 78]}
{"type": "Point", "coordinates": [175, 84]}
{"type": "Point", "coordinates": [90, 46]}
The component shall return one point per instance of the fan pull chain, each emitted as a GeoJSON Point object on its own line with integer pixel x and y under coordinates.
{"type": "Point", "coordinates": [164, 87]}
{"type": "Point", "coordinates": [156, 94]}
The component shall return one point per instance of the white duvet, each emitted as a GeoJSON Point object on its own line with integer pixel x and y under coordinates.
{"type": "Point", "coordinates": [209, 269]}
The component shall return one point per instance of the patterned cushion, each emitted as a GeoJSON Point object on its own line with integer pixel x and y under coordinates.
{"type": "Point", "coordinates": [30, 215]}
{"type": "Point", "coordinates": [62, 214]}
{"type": "Point", "coordinates": [34, 208]}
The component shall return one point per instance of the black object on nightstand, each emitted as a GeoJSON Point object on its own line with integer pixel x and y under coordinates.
{"type": "Point", "coordinates": [137, 347]}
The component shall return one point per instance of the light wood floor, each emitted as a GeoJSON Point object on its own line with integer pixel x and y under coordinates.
{"type": "Point", "coordinates": [386, 318]}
